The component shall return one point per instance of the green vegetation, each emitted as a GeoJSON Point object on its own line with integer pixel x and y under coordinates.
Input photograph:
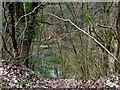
{"type": "Point", "coordinates": [62, 40]}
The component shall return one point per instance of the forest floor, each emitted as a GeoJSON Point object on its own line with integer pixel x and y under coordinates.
{"type": "Point", "coordinates": [21, 77]}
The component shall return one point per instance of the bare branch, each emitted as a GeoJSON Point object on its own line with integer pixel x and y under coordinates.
{"type": "Point", "coordinates": [22, 34]}
{"type": "Point", "coordinates": [109, 27]}
{"type": "Point", "coordinates": [28, 14]}
{"type": "Point", "coordinates": [4, 44]}
{"type": "Point", "coordinates": [68, 20]}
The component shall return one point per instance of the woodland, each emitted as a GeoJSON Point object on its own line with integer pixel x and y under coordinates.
{"type": "Point", "coordinates": [60, 45]}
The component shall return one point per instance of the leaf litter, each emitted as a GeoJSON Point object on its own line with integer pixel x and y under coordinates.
{"type": "Point", "coordinates": [13, 76]}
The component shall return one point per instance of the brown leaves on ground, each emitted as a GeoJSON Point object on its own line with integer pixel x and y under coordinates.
{"type": "Point", "coordinates": [20, 77]}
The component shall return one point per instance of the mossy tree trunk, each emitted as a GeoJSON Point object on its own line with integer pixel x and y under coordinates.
{"type": "Point", "coordinates": [28, 35]}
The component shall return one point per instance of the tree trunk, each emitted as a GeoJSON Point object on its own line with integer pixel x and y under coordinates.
{"type": "Point", "coordinates": [28, 36]}
{"type": "Point", "coordinates": [117, 64]}
{"type": "Point", "coordinates": [12, 31]}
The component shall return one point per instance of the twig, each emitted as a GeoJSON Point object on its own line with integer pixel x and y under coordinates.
{"type": "Point", "coordinates": [5, 47]}
{"type": "Point", "coordinates": [109, 7]}
{"type": "Point", "coordinates": [68, 20]}
{"type": "Point", "coordinates": [105, 26]}
{"type": "Point", "coordinates": [108, 27]}
{"type": "Point", "coordinates": [28, 14]}
{"type": "Point", "coordinates": [6, 19]}
{"type": "Point", "coordinates": [22, 34]}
